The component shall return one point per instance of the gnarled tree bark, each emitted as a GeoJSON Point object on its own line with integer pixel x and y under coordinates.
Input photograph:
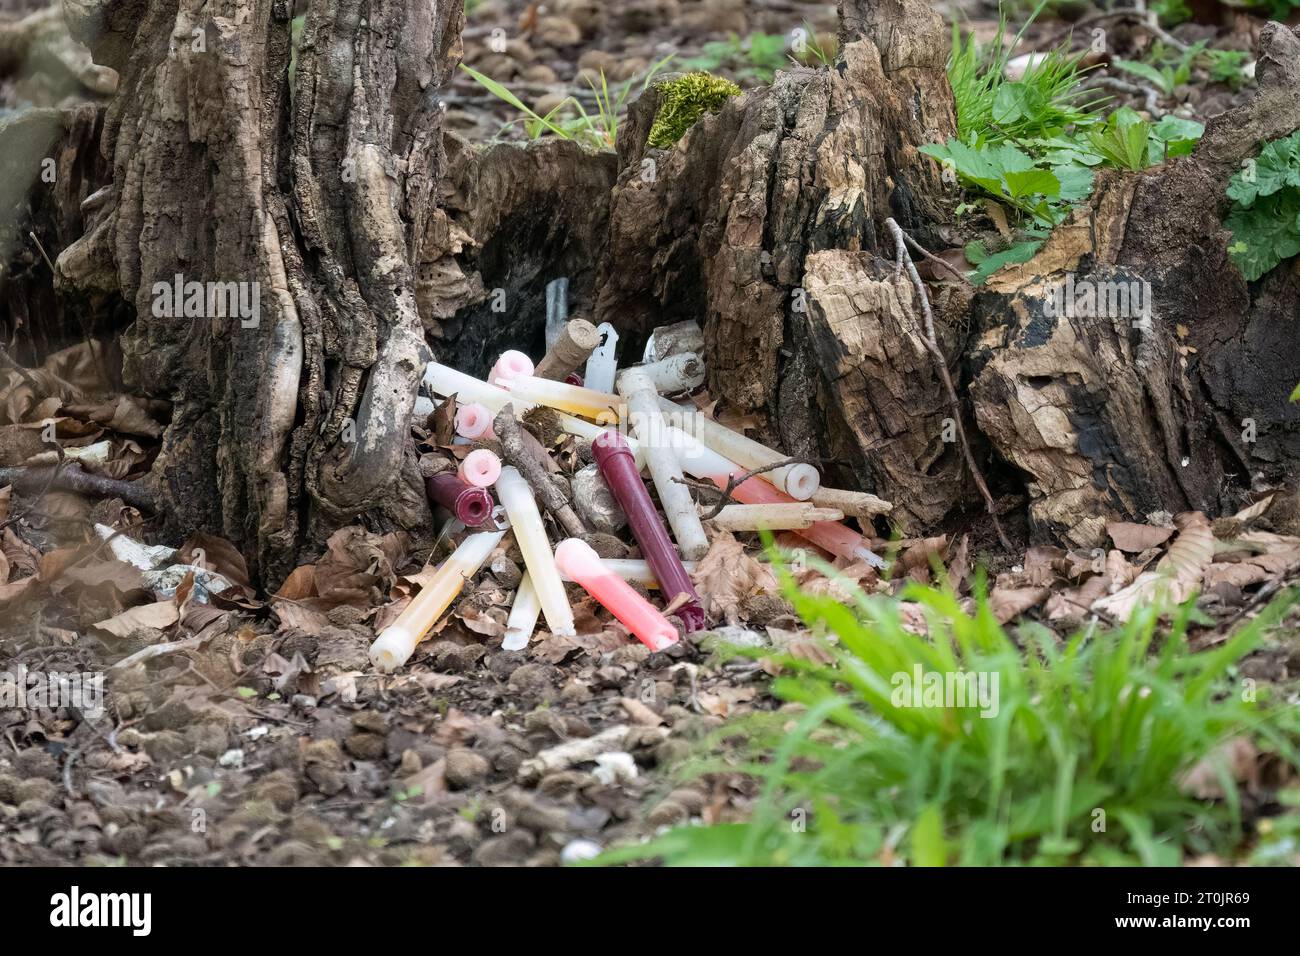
{"type": "Point", "coordinates": [319, 195]}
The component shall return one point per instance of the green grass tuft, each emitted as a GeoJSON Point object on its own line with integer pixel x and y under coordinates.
{"type": "Point", "coordinates": [1084, 759]}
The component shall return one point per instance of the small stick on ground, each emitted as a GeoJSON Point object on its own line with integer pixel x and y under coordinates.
{"type": "Point", "coordinates": [519, 453]}
{"type": "Point", "coordinates": [71, 478]}
{"type": "Point", "coordinates": [1142, 19]}
{"type": "Point", "coordinates": [904, 261]}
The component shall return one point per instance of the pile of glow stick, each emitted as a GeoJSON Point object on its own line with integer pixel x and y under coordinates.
{"type": "Point", "coordinates": [633, 426]}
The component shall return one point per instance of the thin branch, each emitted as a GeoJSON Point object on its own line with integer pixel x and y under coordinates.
{"type": "Point", "coordinates": [1142, 19]}
{"type": "Point", "coordinates": [904, 261]}
{"type": "Point", "coordinates": [734, 481]}
{"type": "Point", "coordinates": [72, 478]}
{"type": "Point", "coordinates": [931, 257]}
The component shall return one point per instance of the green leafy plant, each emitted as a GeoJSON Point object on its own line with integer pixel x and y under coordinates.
{"type": "Point", "coordinates": [986, 263]}
{"type": "Point", "coordinates": [756, 57]}
{"type": "Point", "coordinates": [1047, 99]}
{"type": "Point", "coordinates": [1265, 215]}
{"type": "Point", "coordinates": [1228, 66]}
{"type": "Point", "coordinates": [683, 101]}
{"type": "Point", "coordinates": [815, 51]}
{"type": "Point", "coordinates": [1082, 754]}
{"type": "Point", "coordinates": [1012, 176]}
{"type": "Point", "coordinates": [1123, 140]}
{"type": "Point", "coordinates": [1163, 70]}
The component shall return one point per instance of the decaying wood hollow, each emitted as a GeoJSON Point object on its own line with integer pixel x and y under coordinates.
{"type": "Point", "coordinates": [376, 242]}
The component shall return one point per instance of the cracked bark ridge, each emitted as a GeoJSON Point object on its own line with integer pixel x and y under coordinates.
{"type": "Point", "coordinates": [287, 428]}
{"type": "Point", "coordinates": [1117, 416]}
{"type": "Point", "coordinates": [726, 225]}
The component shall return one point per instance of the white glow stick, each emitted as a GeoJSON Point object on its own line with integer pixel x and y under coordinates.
{"type": "Point", "coordinates": [523, 616]}
{"type": "Point", "coordinates": [448, 381]}
{"type": "Point", "coordinates": [530, 533]}
{"type": "Point", "coordinates": [395, 645]}
{"type": "Point", "coordinates": [675, 497]}
{"type": "Point", "coordinates": [798, 481]}
{"type": "Point", "coordinates": [574, 399]}
{"type": "Point", "coordinates": [599, 374]}
{"type": "Point", "coordinates": [634, 570]}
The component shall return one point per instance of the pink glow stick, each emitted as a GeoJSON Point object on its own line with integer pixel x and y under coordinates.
{"type": "Point", "coordinates": [480, 468]}
{"type": "Point", "coordinates": [511, 364]}
{"type": "Point", "coordinates": [578, 561]}
{"type": "Point", "coordinates": [614, 458]}
{"type": "Point", "coordinates": [470, 505]}
{"type": "Point", "coordinates": [474, 421]}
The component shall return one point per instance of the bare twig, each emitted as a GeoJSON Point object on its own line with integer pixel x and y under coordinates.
{"type": "Point", "coordinates": [1142, 19]}
{"type": "Point", "coordinates": [158, 650]}
{"type": "Point", "coordinates": [72, 478]}
{"type": "Point", "coordinates": [904, 261]}
{"type": "Point", "coordinates": [1150, 95]}
{"type": "Point", "coordinates": [931, 257]}
{"type": "Point", "coordinates": [734, 481]}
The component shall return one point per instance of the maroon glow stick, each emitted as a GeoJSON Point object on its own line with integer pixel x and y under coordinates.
{"type": "Point", "coordinates": [470, 505]}
{"type": "Point", "coordinates": [617, 465]}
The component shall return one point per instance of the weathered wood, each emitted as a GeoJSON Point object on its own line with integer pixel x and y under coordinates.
{"type": "Point", "coordinates": [293, 423]}
{"type": "Point", "coordinates": [1113, 413]}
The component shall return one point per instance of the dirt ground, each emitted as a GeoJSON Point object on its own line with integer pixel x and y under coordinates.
{"type": "Point", "coordinates": [269, 739]}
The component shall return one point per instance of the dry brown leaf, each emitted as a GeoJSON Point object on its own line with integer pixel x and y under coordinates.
{"type": "Point", "coordinates": [123, 414]}
{"type": "Point", "coordinates": [11, 592]}
{"type": "Point", "coordinates": [1238, 575]}
{"type": "Point", "coordinates": [6, 498]}
{"type": "Point", "coordinates": [356, 569]}
{"type": "Point", "coordinates": [1176, 575]}
{"type": "Point", "coordinates": [301, 617]}
{"type": "Point", "coordinates": [1237, 756]}
{"type": "Point", "coordinates": [723, 700]}
{"type": "Point", "coordinates": [160, 615]}
{"type": "Point", "coordinates": [1248, 514]}
{"type": "Point", "coordinates": [1135, 538]}
{"type": "Point", "coordinates": [1008, 603]}
{"type": "Point", "coordinates": [300, 584]}
{"type": "Point", "coordinates": [212, 553]}
{"type": "Point", "coordinates": [726, 575]}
